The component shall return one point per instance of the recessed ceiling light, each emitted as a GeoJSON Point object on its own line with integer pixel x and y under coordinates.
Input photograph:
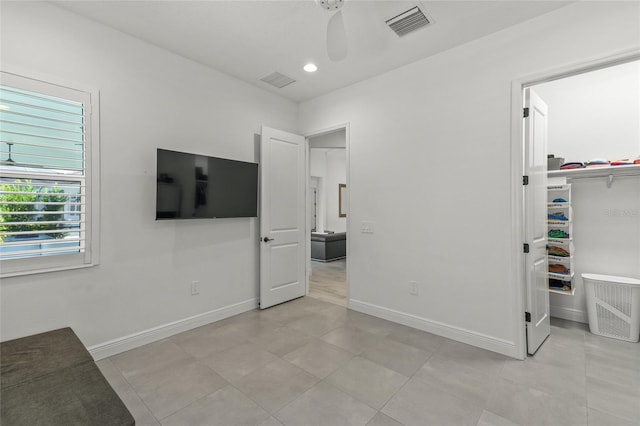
{"type": "Point", "coordinates": [310, 67]}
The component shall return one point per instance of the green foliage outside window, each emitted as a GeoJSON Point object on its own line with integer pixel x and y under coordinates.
{"type": "Point", "coordinates": [27, 199]}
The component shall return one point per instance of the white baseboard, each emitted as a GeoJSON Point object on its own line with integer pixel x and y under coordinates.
{"type": "Point", "coordinates": [455, 333]}
{"type": "Point", "coordinates": [116, 346]}
{"type": "Point", "coordinates": [569, 314]}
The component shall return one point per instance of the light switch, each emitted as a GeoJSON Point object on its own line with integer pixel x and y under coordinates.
{"type": "Point", "coordinates": [367, 227]}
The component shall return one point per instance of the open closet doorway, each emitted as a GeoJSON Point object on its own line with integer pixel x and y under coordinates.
{"type": "Point", "coordinates": [327, 215]}
{"type": "Point", "coordinates": [588, 187]}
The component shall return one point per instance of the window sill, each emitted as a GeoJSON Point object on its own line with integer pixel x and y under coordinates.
{"type": "Point", "coordinates": [5, 275]}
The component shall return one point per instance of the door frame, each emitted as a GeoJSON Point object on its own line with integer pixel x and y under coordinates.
{"type": "Point", "coordinates": [307, 136]}
{"type": "Point", "coordinates": [518, 85]}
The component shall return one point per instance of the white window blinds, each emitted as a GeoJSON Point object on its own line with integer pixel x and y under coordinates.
{"type": "Point", "coordinates": [43, 172]}
{"type": "Point", "coordinates": [41, 132]}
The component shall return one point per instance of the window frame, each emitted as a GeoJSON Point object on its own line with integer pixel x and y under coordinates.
{"type": "Point", "coordinates": [90, 99]}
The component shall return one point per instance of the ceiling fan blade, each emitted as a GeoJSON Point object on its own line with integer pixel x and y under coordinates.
{"type": "Point", "coordinates": [337, 45]}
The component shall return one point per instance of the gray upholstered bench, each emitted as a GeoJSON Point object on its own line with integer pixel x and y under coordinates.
{"type": "Point", "coordinates": [328, 247]}
{"type": "Point", "coordinates": [51, 379]}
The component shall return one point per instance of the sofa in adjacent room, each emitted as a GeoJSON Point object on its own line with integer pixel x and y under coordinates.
{"type": "Point", "coordinates": [326, 247]}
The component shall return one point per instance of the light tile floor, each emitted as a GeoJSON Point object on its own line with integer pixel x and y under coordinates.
{"type": "Point", "coordinates": [309, 362]}
{"type": "Point", "coordinates": [328, 281]}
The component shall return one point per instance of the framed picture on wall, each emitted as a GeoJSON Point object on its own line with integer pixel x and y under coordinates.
{"type": "Point", "coordinates": [342, 200]}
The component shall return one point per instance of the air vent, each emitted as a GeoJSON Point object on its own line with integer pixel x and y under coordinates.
{"type": "Point", "coordinates": [408, 21]}
{"type": "Point", "coordinates": [278, 80]}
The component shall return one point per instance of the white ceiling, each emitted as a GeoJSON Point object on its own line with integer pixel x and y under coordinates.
{"type": "Point", "coordinates": [252, 39]}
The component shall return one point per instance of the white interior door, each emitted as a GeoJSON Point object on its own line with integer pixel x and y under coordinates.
{"type": "Point", "coordinates": [535, 198]}
{"type": "Point", "coordinates": [282, 217]}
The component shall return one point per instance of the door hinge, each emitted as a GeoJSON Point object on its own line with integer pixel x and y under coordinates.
{"type": "Point", "coordinates": [525, 180]}
{"type": "Point", "coordinates": [527, 316]}
{"type": "Point", "coordinates": [525, 248]}
{"type": "Point", "coordinates": [525, 112]}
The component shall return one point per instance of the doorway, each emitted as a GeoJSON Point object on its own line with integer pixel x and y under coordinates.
{"type": "Point", "coordinates": [572, 94]}
{"type": "Point", "coordinates": [327, 215]}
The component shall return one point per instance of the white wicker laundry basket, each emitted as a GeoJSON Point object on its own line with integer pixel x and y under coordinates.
{"type": "Point", "coordinates": [613, 306]}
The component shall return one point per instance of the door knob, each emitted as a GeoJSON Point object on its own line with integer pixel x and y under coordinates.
{"type": "Point", "coordinates": [267, 239]}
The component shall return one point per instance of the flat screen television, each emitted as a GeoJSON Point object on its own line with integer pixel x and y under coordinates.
{"type": "Point", "coordinates": [192, 186]}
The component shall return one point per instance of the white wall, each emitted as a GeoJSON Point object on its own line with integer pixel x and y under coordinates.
{"type": "Point", "coordinates": [595, 115]}
{"type": "Point", "coordinates": [149, 98]}
{"type": "Point", "coordinates": [430, 166]}
{"type": "Point", "coordinates": [330, 166]}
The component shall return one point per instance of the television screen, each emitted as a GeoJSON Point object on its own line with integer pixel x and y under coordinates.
{"type": "Point", "coordinates": [191, 186]}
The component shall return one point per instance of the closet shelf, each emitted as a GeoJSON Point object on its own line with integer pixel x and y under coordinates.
{"type": "Point", "coordinates": [560, 291]}
{"type": "Point", "coordinates": [560, 250]}
{"type": "Point", "coordinates": [558, 205]}
{"type": "Point", "coordinates": [560, 259]}
{"type": "Point", "coordinates": [609, 172]}
{"type": "Point", "coordinates": [552, 240]}
{"type": "Point", "coordinates": [561, 277]}
{"type": "Point", "coordinates": [563, 187]}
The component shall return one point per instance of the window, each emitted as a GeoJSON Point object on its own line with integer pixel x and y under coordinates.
{"type": "Point", "coordinates": [48, 176]}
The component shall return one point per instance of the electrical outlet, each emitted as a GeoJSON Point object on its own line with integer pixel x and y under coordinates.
{"type": "Point", "coordinates": [195, 287]}
{"type": "Point", "coordinates": [413, 288]}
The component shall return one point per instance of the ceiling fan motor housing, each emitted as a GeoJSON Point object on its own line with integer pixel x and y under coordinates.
{"type": "Point", "coordinates": [330, 5]}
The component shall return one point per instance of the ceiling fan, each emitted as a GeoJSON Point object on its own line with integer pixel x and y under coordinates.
{"type": "Point", "coordinates": [337, 43]}
{"type": "Point", "coordinates": [401, 24]}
